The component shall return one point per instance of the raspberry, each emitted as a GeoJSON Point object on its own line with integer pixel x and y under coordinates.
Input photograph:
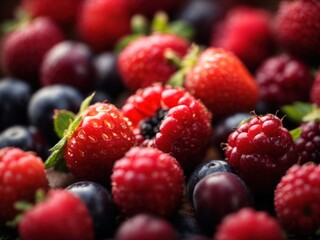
{"type": "Point", "coordinates": [283, 79]}
{"type": "Point", "coordinates": [171, 120]}
{"type": "Point", "coordinates": [308, 144]}
{"type": "Point", "coordinates": [261, 151]}
{"type": "Point", "coordinates": [142, 178]}
{"type": "Point", "coordinates": [21, 175]}
{"type": "Point", "coordinates": [239, 226]}
{"type": "Point", "coordinates": [297, 199]}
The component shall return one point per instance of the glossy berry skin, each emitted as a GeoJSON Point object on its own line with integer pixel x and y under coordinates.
{"type": "Point", "coordinates": [308, 143]}
{"type": "Point", "coordinates": [171, 120]}
{"type": "Point", "coordinates": [26, 138]}
{"type": "Point", "coordinates": [147, 227]}
{"type": "Point", "coordinates": [21, 175]}
{"type": "Point", "coordinates": [297, 200]}
{"type": "Point", "coordinates": [69, 63]}
{"type": "Point", "coordinates": [217, 195]}
{"type": "Point", "coordinates": [221, 81]}
{"type": "Point", "coordinates": [245, 31]}
{"type": "Point", "coordinates": [24, 48]}
{"type": "Point", "coordinates": [248, 223]}
{"type": "Point", "coordinates": [283, 79]}
{"type": "Point", "coordinates": [62, 12]}
{"type": "Point", "coordinates": [102, 137]}
{"type": "Point", "coordinates": [315, 90]}
{"type": "Point", "coordinates": [99, 202]}
{"type": "Point", "coordinates": [261, 151]}
{"type": "Point", "coordinates": [14, 98]}
{"type": "Point", "coordinates": [202, 15]}
{"type": "Point", "coordinates": [108, 77]}
{"type": "Point", "coordinates": [45, 101]}
{"type": "Point", "coordinates": [143, 61]}
{"type": "Point", "coordinates": [142, 178]}
{"type": "Point", "coordinates": [292, 18]}
{"type": "Point", "coordinates": [100, 30]}
{"type": "Point", "coordinates": [204, 169]}
{"type": "Point", "coordinates": [44, 220]}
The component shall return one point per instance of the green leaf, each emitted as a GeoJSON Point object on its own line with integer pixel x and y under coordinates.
{"type": "Point", "coordinates": [125, 41]}
{"type": "Point", "coordinates": [182, 29]}
{"type": "Point", "coordinates": [295, 133]}
{"type": "Point", "coordinates": [160, 23]}
{"type": "Point", "coordinates": [62, 120]}
{"type": "Point", "coordinates": [173, 58]}
{"type": "Point", "coordinates": [57, 154]}
{"type": "Point", "coordinates": [177, 79]}
{"type": "Point", "coordinates": [314, 115]}
{"type": "Point", "coordinates": [297, 111]}
{"type": "Point", "coordinates": [86, 103]}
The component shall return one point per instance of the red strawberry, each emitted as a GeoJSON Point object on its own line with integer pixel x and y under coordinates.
{"type": "Point", "coordinates": [171, 120]}
{"type": "Point", "coordinates": [102, 137]}
{"type": "Point", "coordinates": [21, 175]}
{"type": "Point", "coordinates": [143, 62]}
{"type": "Point", "coordinates": [315, 90]}
{"type": "Point", "coordinates": [60, 11]}
{"type": "Point", "coordinates": [297, 199]}
{"type": "Point", "coordinates": [249, 224]}
{"type": "Point", "coordinates": [261, 151]}
{"type": "Point", "coordinates": [297, 28]}
{"type": "Point", "coordinates": [222, 83]}
{"type": "Point", "coordinates": [102, 23]}
{"type": "Point", "coordinates": [142, 178]}
{"type": "Point", "coordinates": [24, 49]}
{"type": "Point", "coordinates": [61, 216]}
{"type": "Point", "coordinates": [246, 32]}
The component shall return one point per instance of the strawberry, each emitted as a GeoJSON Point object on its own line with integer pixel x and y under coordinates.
{"type": "Point", "coordinates": [98, 136]}
{"type": "Point", "coordinates": [297, 28]}
{"type": "Point", "coordinates": [297, 199]}
{"type": "Point", "coordinates": [171, 120]}
{"type": "Point", "coordinates": [246, 32]}
{"type": "Point", "coordinates": [21, 175]}
{"type": "Point", "coordinates": [143, 62]}
{"type": "Point", "coordinates": [142, 178]}
{"type": "Point", "coordinates": [101, 23]}
{"type": "Point", "coordinates": [62, 215]}
{"type": "Point", "coordinates": [24, 48]}
{"type": "Point", "coordinates": [60, 11]}
{"type": "Point", "coordinates": [221, 81]}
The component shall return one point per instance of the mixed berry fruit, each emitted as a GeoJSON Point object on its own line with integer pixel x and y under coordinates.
{"type": "Point", "coordinates": [171, 119]}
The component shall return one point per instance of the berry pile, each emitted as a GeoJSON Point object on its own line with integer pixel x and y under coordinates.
{"type": "Point", "coordinates": [164, 119]}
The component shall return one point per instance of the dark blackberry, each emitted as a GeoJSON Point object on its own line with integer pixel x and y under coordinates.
{"type": "Point", "coordinates": [150, 126]}
{"type": "Point", "coordinates": [308, 144]}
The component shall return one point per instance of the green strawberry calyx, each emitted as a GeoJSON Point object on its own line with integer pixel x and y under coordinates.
{"type": "Point", "coordinates": [65, 123]}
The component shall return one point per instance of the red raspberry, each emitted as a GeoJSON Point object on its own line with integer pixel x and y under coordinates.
{"type": "Point", "coordinates": [102, 137]}
{"type": "Point", "coordinates": [143, 62]}
{"type": "Point", "coordinates": [297, 199]}
{"type": "Point", "coordinates": [21, 175]}
{"type": "Point", "coordinates": [146, 227]}
{"type": "Point", "coordinates": [297, 28]}
{"type": "Point", "coordinates": [315, 90]}
{"type": "Point", "coordinates": [61, 216]}
{"type": "Point", "coordinates": [246, 32]}
{"type": "Point", "coordinates": [142, 178]}
{"type": "Point", "coordinates": [171, 120]}
{"type": "Point", "coordinates": [283, 79]}
{"type": "Point", "coordinates": [308, 143]}
{"type": "Point", "coordinates": [261, 151]}
{"type": "Point", "coordinates": [249, 224]}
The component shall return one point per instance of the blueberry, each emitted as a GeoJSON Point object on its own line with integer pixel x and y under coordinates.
{"type": "Point", "coordinates": [26, 138]}
{"type": "Point", "coordinates": [217, 195]}
{"type": "Point", "coordinates": [204, 169]}
{"type": "Point", "coordinates": [100, 205]}
{"type": "Point", "coordinates": [43, 103]}
{"type": "Point", "coordinates": [109, 79]}
{"type": "Point", "coordinates": [14, 97]}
